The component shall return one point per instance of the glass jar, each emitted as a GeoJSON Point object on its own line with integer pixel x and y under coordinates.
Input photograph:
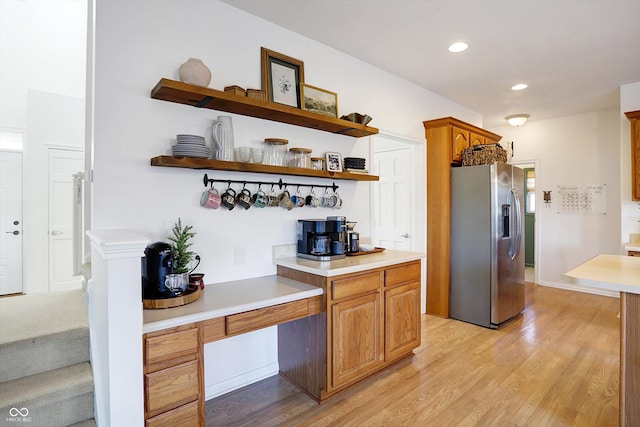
{"type": "Point", "coordinates": [300, 158]}
{"type": "Point", "coordinates": [275, 153]}
{"type": "Point", "coordinates": [317, 163]}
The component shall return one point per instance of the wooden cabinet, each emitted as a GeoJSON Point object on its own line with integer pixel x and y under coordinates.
{"type": "Point", "coordinates": [634, 118]}
{"type": "Point", "coordinates": [356, 338]}
{"type": "Point", "coordinates": [173, 377]}
{"type": "Point", "coordinates": [445, 141]}
{"type": "Point", "coordinates": [372, 320]}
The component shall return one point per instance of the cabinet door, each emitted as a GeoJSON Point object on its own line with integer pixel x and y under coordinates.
{"type": "Point", "coordinates": [460, 141]}
{"type": "Point", "coordinates": [402, 320]}
{"type": "Point", "coordinates": [476, 139]}
{"type": "Point", "coordinates": [356, 338]}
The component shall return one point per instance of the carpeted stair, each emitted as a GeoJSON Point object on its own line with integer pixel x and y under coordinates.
{"type": "Point", "coordinates": [45, 374]}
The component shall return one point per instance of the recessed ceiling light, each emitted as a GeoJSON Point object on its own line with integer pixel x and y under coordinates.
{"type": "Point", "coordinates": [458, 47]}
{"type": "Point", "coordinates": [519, 86]}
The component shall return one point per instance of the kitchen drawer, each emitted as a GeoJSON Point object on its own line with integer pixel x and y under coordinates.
{"type": "Point", "coordinates": [173, 345]}
{"type": "Point", "coordinates": [213, 330]}
{"type": "Point", "coordinates": [270, 316]}
{"type": "Point", "coordinates": [404, 273]}
{"type": "Point", "coordinates": [170, 388]}
{"type": "Point", "coordinates": [183, 416]}
{"type": "Point", "coordinates": [357, 284]}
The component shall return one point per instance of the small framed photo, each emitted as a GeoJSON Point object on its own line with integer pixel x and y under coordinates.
{"type": "Point", "coordinates": [333, 162]}
{"type": "Point", "coordinates": [281, 77]}
{"type": "Point", "coordinates": [319, 100]}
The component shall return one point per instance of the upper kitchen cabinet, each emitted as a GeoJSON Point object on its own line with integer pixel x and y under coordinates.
{"type": "Point", "coordinates": [634, 118]}
{"type": "Point", "coordinates": [202, 97]}
{"type": "Point", "coordinates": [446, 139]}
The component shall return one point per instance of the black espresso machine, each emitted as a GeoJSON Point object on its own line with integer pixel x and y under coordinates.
{"type": "Point", "coordinates": [156, 264]}
{"type": "Point", "coordinates": [322, 239]}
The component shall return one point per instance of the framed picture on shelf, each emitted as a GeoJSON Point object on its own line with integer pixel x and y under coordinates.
{"type": "Point", "coordinates": [318, 100]}
{"type": "Point", "coordinates": [333, 162]}
{"type": "Point", "coordinates": [281, 77]}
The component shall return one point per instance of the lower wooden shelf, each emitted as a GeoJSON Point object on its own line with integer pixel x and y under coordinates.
{"type": "Point", "coordinates": [199, 163]}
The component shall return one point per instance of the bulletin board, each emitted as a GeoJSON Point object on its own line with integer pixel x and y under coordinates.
{"type": "Point", "coordinates": [583, 199]}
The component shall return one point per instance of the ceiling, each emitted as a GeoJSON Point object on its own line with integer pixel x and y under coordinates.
{"type": "Point", "coordinates": [574, 54]}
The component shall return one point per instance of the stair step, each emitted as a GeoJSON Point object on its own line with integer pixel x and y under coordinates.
{"type": "Point", "coordinates": [42, 332]}
{"type": "Point", "coordinates": [85, 423]}
{"type": "Point", "coordinates": [54, 398]}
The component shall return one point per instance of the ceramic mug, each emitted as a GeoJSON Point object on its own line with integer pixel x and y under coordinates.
{"type": "Point", "coordinates": [298, 199]}
{"type": "Point", "coordinates": [328, 201]}
{"type": "Point", "coordinates": [284, 200]}
{"type": "Point", "coordinates": [312, 200]}
{"type": "Point", "coordinates": [244, 198]}
{"type": "Point", "coordinates": [210, 199]}
{"type": "Point", "coordinates": [229, 198]}
{"type": "Point", "coordinates": [338, 200]}
{"type": "Point", "coordinates": [260, 199]}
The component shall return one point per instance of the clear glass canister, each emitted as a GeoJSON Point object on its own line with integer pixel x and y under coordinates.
{"type": "Point", "coordinates": [317, 163]}
{"type": "Point", "coordinates": [300, 158]}
{"type": "Point", "coordinates": [275, 153]}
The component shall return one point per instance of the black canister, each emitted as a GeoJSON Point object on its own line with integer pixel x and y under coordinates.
{"type": "Point", "coordinates": [354, 242]}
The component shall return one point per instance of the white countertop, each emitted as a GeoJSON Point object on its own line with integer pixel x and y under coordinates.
{"type": "Point", "coordinates": [227, 298]}
{"type": "Point", "coordinates": [349, 264]}
{"type": "Point", "coordinates": [611, 272]}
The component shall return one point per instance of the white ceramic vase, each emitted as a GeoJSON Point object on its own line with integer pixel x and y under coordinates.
{"type": "Point", "coordinates": [195, 72]}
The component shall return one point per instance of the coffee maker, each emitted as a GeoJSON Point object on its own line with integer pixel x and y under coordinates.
{"type": "Point", "coordinates": [156, 264]}
{"type": "Point", "coordinates": [322, 239]}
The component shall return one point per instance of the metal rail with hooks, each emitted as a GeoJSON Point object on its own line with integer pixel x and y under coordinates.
{"type": "Point", "coordinates": [209, 181]}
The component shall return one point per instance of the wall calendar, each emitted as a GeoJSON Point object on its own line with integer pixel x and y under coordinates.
{"type": "Point", "coordinates": [583, 199]}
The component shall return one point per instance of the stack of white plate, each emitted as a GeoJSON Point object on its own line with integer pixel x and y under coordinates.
{"type": "Point", "coordinates": [190, 146]}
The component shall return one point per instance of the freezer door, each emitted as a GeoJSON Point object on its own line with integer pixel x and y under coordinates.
{"type": "Point", "coordinates": [507, 288]}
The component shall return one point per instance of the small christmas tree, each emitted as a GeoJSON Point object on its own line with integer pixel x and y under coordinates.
{"type": "Point", "coordinates": [182, 256]}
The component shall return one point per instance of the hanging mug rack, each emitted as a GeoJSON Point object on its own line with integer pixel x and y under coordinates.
{"type": "Point", "coordinates": [209, 181]}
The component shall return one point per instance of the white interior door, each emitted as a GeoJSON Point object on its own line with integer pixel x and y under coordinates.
{"type": "Point", "coordinates": [10, 222]}
{"type": "Point", "coordinates": [63, 164]}
{"type": "Point", "coordinates": [393, 204]}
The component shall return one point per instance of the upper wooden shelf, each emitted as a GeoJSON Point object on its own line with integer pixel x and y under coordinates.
{"type": "Point", "coordinates": [198, 163]}
{"type": "Point", "coordinates": [202, 97]}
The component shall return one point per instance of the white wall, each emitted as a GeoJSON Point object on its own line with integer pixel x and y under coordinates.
{"type": "Point", "coordinates": [574, 150]}
{"type": "Point", "coordinates": [42, 82]}
{"type": "Point", "coordinates": [136, 44]}
{"type": "Point", "coordinates": [630, 213]}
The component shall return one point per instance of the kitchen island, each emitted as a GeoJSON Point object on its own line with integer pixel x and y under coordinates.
{"type": "Point", "coordinates": [620, 273]}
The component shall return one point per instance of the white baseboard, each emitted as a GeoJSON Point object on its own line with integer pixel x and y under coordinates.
{"type": "Point", "coordinates": [578, 288]}
{"type": "Point", "coordinates": [239, 381]}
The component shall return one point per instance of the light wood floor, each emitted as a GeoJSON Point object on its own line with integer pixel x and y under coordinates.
{"type": "Point", "coordinates": [555, 365]}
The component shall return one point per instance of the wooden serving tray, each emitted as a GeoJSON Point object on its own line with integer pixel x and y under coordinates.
{"type": "Point", "coordinates": [192, 294]}
{"type": "Point", "coordinates": [372, 251]}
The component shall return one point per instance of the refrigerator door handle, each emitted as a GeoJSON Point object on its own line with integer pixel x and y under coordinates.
{"type": "Point", "coordinates": [514, 245]}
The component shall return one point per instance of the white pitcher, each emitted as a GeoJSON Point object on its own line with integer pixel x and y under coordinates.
{"type": "Point", "coordinates": [222, 135]}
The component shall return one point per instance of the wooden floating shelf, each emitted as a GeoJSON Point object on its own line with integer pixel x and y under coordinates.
{"type": "Point", "coordinates": [202, 97]}
{"type": "Point", "coordinates": [198, 163]}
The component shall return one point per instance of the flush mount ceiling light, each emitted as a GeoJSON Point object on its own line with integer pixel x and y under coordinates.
{"type": "Point", "coordinates": [519, 86]}
{"type": "Point", "coordinates": [517, 119]}
{"type": "Point", "coordinates": [458, 47]}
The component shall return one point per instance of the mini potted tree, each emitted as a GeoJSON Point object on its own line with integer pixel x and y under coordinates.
{"type": "Point", "coordinates": [182, 256]}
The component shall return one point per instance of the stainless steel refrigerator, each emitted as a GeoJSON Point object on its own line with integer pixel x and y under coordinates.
{"type": "Point", "coordinates": [487, 244]}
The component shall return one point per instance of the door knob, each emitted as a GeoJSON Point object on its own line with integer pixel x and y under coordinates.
{"type": "Point", "coordinates": [56, 233]}
{"type": "Point", "coordinates": [405, 235]}
{"type": "Point", "coordinates": [14, 232]}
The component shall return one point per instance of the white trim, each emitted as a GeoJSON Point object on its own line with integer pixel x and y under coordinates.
{"type": "Point", "coordinates": [230, 384]}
